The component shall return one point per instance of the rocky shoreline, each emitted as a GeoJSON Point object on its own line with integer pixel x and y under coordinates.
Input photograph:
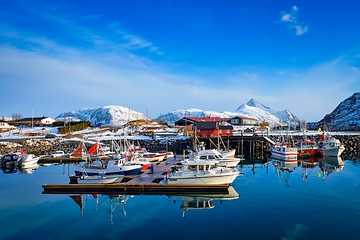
{"type": "Point", "coordinates": [45, 146]}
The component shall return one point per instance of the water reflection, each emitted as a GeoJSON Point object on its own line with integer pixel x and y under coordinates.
{"type": "Point", "coordinates": [203, 201]}
{"type": "Point", "coordinates": [326, 165]}
{"type": "Point", "coordinates": [22, 170]}
{"type": "Point", "coordinates": [107, 201]}
{"type": "Point", "coordinates": [284, 169]}
{"type": "Point", "coordinates": [330, 165]}
{"type": "Point", "coordinates": [193, 201]}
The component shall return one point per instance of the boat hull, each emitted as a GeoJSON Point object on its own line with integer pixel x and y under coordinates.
{"type": "Point", "coordinates": [214, 179]}
{"type": "Point", "coordinates": [228, 154]}
{"type": "Point", "coordinates": [333, 152]}
{"type": "Point", "coordinates": [126, 170]}
{"type": "Point", "coordinates": [229, 162]}
{"type": "Point", "coordinates": [100, 180]}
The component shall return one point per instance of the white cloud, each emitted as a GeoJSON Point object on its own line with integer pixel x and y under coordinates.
{"type": "Point", "coordinates": [293, 22]}
{"type": "Point", "coordinates": [288, 18]}
{"type": "Point", "coordinates": [300, 30]}
{"type": "Point", "coordinates": [354, 68]}
{"type": "Point", "coordinates": [280, 72]}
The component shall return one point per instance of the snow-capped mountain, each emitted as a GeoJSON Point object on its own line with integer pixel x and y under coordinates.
{"type": "Point", "coordinates": [108, 116]}
{"type": "Point", "coordinates": [346, 116]}
{"type": "Point", "coordinates": [252, 109]}
{"type": "Point", "coordinates": [285, 117]}
{"type": "Point", "coordinates": [173, 116]}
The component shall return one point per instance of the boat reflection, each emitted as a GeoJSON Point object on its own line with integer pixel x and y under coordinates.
{"type": "Point", "coordinates": [330, 164]}
{"type": "Point", "coordinates": [108, 202]}
{"type": "Point", "coordinates": [327, 165]}
{"type": "Point", "coordinates": [284, 169]}
{"type": "Point", "coordinates": [203, 201]}
{"type": "Point", "coordinates": [189, 201]}
{"type": "Point", "coordinates": [308, 165]}
{"type": "Point", "coordinates": [20, 169]}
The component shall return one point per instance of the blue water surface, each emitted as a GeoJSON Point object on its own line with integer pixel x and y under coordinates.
{"type": "Point", "coordinates": [305, 200]}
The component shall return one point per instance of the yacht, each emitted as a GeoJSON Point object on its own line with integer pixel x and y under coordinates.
{"type": "Point", "coordinates": [213, 154]}
{"type": "Point", "coordinates": [201, 172]}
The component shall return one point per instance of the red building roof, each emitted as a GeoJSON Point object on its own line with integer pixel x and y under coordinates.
{"type": "Point", "coordinates": [208, 119]}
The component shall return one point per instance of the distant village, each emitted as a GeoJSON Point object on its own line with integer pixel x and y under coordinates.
{"type": "Point", "coordinates": [190, 126]}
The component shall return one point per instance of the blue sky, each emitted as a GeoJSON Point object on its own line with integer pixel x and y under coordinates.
{"type": "Point", "coordinates": [160, 56]}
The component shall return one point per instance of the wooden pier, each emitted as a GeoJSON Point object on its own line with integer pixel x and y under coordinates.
{"type": "Point", "coordinates": [145, 183]}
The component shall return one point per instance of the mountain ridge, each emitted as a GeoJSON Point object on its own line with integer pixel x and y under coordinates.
{"type": "Point", "coordinates": [346, 116]}
{"type": "Point", "coordinates": [111, 115]}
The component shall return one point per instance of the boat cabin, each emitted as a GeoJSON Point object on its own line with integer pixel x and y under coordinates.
{"type": "Point", "coordinates": [199, 165]}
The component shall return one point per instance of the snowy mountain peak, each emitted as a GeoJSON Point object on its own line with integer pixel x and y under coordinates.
{"type": "Point", "coordinates": [252, 109]}
{"type": "Point", "coordinates": [254, 103]}
{"type": "Point", "coordinates": [109, 115]}
{"type": "Point", "coordinates": [261, 112]}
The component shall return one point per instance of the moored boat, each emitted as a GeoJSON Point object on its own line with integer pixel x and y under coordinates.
{"type": "Point", "coordinates": [213, 154]}
{"type": "Point", "coordinates": [331, 147]}
{"type": "Point", "coordinates": [109, 167]}
{"type": "Point", "coordinates": [19, 159]}
{"type": "Point", "coordinates": [284, 151]}
{"type": "Point", "coordinates": [201, 172]}
{"type": "Point", "coordinates": [308, 147]}
{"type": "Point", "coordinates": [101, 178]}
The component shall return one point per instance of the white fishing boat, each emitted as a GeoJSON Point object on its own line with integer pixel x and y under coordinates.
{"type": "Point", "coordinates": [212, 154]}
{"type": "Point", "coordinates": [201, 172]}
{"type": "Point", "coordinates": [284, 151]}
{"type": "Point", "coordinates": [331, 147]}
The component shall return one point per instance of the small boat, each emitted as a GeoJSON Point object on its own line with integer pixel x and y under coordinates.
{"type": "Point", "coordinates": [331, 146]}
{"type": "Point", "coordinates": [201, 172]}
{"type": "Point", "coordinates": [310, 148]}
{"type": "Point", "coordinates": [152, 157]}
{"type": "Point", "coordinates": [169, 155]}
{"type": "Point", "coordinates": [109, 167]}
{"type": "Point", "coordinates": [212, 154]}
{"type": "Point", "coordinates": [101, 178]}
{"type": "Point", "coordinates": [19, 159]}
{"type": "Point", "coordinates": [59, 154]}
{"type": "Point", "coordinates": [284, 151]}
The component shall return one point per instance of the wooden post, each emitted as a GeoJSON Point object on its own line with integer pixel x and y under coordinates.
{"type": "Point", "coordinates": [250, 149]}
{"type": "Point", "coordinates": [242, 143]}
{"type": "Point", "coordinates": [238, 148]}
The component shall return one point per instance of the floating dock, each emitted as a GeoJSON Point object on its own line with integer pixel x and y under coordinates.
{"type": "Point", "coordinates": [145, 183]}
{"type": "Point", "coordinates": [59, 160]}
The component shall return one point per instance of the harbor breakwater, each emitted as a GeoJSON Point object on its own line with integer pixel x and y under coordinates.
{"type": "Point", "coordinates": [46, 146]}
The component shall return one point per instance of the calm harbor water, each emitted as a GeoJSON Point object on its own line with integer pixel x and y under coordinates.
{"type": "Point", "coordinates": [312, 199]}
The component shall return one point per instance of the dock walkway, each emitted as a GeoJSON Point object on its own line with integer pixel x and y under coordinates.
{"type": "Point", "coordinates": [144, 183]}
